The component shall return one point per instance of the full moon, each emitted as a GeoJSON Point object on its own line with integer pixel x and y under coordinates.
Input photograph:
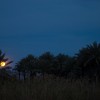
{"type": "Point", "coordinates": [2, 64]}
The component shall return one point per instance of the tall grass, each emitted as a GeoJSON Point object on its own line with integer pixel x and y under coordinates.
{"type": "Point", "coordinates": [49, 89]}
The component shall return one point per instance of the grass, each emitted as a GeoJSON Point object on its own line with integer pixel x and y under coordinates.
{"type": "Point", "coordinates": [49, 89]}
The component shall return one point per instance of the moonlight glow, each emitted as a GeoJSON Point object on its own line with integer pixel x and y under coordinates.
{"type": "Point", "coordinates": [2, 64]}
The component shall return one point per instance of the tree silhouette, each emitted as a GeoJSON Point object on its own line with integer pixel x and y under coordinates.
{"type": "Point", "coordinates": [31, 63]}
{"type": "Point", "coordinates": [18, 69]}
{"type": "Point", "coordinates": [88, 60]}
{"type": "Point", "coordinates": [26, 65]}
{"type": "Point", "coordinates": [61, 61]}
{"type": "Point", "coordinates": [3, 59]}
{"type": "Point", "coordinates": [46, 63]}
{"type": "Point", "coordinates": [4, 67]}
{"type": "Point", "coordinates": [22, 66]}
{"type": "Point", "coordinates": [86, 63]}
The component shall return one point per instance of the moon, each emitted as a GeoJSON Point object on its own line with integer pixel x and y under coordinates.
{"type": "Point", "coordinates": [2, 64]}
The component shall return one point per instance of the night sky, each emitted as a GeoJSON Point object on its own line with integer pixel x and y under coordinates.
{"type": "Point", "coordinates": [37, 26]}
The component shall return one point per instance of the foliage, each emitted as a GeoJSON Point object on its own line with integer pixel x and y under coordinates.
{"type": "Point", "coordinates": [4, 71]}
{"type": "Point", "coordinates": [26, 65]}
{"type": "Point", "coordinates": [88, 59]}
{"type": "Point", "coordinates": [85, 64]}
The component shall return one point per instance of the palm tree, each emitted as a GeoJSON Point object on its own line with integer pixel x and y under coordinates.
{"type": "Point", "coordinates": [18, 69]}
{"type": "Point", "coordinates": [21, 67]}
{"type": "Point", "coordinates": [26, 65]}
{"type": "Point", "coordinates": [31, 63]}
{"type": "Point", "coordinates": [88, 59]}
{"type": "Point", "coordinates": [4, 62]}
{"type": "Point", "coordinates": [46, 63]}
{"type": "Point", "coordinates": [68, 70]}
{"type": "Point", "coordinates": [61, 61]}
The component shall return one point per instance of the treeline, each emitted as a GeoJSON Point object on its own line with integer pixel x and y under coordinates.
{"type": "Point", "coordinates": [47, 63]}
{"type": "Point", "coordinates": [84, 64]}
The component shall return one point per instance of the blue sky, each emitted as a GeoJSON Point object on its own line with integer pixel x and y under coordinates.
{"type": "Point", "coordinates": [36, 26]}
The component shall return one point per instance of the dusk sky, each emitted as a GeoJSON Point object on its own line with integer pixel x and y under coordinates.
{"type": "Point", "coordinates": [37, 26]}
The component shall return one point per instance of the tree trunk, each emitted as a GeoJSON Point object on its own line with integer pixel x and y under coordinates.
{"type": "Point", "coordinates": [19, 75]}
{"type": "Point", "coordinates": [24, 75]}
